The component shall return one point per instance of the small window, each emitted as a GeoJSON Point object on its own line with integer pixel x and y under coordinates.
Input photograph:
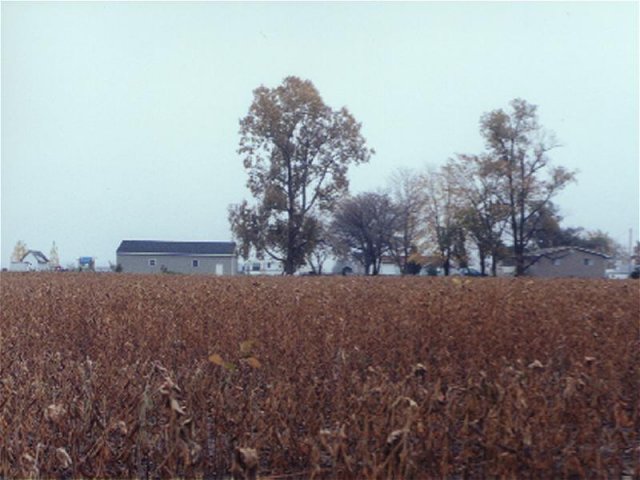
{"type": "Point", "coordinates": [556, 262]}
{"type": "Point", "coordinates": [588, 262]}
{"type": "Point", "coordinates": [195, 263]}
{"type": "Point", "coordinates": [255, 267]}
{"type": "Point", "coordinates": [152, 262]}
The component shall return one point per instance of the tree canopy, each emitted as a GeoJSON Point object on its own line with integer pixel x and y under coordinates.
{"type": "Point", "coordinates": [519, 147]}
{"type": "Point", "coordinates": [363, 227]}
{"type": "Point", "coordinates": [297, 151]}
{"type": "Point", "coordinates": [19, 251]}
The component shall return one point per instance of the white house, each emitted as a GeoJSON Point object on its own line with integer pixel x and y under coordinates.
{"type": "Point", "coordinates": [32, 261]}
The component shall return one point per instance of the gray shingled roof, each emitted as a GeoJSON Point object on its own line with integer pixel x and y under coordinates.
{"type": "Point", "coordinates": [177, 248]}
{"type": "Point", "coordinates": [554, 251]}
{"type": "Point", "coordinates": [39, 256]}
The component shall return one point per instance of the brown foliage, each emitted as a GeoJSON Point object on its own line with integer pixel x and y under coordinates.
{"type": "Point", "coordinates": [156, 376]}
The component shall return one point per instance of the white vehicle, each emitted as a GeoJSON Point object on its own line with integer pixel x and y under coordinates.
{"type": "Point", "coordinates": [262, 267]}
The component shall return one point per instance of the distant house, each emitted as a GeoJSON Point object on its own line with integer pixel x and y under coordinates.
{"type": "Point", "coordinates": [388, 266]}
{"type": "Point", "coordinates": [574, 262]}
{"type": "Point", "coordinates": [32, 261]}
{"type": "Point", "coordinates": [148, 256]}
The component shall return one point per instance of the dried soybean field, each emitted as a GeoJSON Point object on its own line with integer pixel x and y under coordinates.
{"type": "Point", "coordinates": [114, 375]}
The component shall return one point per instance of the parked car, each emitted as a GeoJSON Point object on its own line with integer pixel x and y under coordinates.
{"type": "Point", "coordinates": [470, 272]}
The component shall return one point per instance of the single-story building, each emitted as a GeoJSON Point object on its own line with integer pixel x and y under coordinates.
{"type": "Point", "coordinates": [574, 262]}
{"type": "Point", "coordinates": [150, 256]}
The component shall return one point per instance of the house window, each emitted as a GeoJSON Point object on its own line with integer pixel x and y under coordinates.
{"type": "Point", "coordinates": [255, 267]}
{"type": "Point", "coordinates": [195, 263]}
{"type": "Point", "coordinates": [556, 262]}
{"type": "Point", "coordinates": [588, 262]}
{"type": "Point", "coordinates": [152, 262]}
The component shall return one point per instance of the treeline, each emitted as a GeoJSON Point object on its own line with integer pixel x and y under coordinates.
{"type": "Point", "coordinates": [498, 202]}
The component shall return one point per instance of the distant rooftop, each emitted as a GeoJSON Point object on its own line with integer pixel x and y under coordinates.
{"type": "Point", "coordinates": [552, 251]}
{"type": "Point", "coordinates": [178, 248]}
{"type": "Point", "coordinates": [39, 256]}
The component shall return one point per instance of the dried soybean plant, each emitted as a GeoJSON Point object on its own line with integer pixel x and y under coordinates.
{"type": "Point", "coordinates": [164, 376]}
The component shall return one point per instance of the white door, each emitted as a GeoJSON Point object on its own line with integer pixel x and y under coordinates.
{"type": "Point", "coordinates": [219, 269]}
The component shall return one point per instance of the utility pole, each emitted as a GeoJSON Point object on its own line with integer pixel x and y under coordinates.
{"type": "Point", "coordinates": [630, 250]}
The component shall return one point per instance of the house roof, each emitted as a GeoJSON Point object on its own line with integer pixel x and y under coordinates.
{"type": "Point", "coordinates": [176, 248]}
{"type": "Point", "coordinates": [37, 254]}
{"type": "Point", "coordinates": [555, 252]}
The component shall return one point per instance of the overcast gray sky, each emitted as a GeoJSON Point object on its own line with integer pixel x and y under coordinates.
{"type": "Point", "coordinates": [120, 120]}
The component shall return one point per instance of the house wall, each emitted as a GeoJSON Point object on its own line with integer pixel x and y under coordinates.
{"type": "Point", "coordinates": [571, 265]}
{"type": "Point", "coordinates": [139, 263]}
{"type": "Point", "coordinates": [19, 267]}
{"type": "Point", "coordinates": [389, 269]}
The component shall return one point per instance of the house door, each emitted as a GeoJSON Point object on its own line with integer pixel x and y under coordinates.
{"type": "Point", "coordinates": [219, 269]}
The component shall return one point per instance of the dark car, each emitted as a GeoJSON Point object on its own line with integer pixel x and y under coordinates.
{"type": "Point", "coordinates": [470, 272]}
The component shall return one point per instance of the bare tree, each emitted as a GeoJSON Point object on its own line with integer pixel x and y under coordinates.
{"type": "Point", "coordinates": [442, 210]}
{"type": "Point", "coordinates": [363, 228]}
{"type": "Point", "coordinates": [407, 192]}
{"type": "Point", "coordinates": [483, 213]}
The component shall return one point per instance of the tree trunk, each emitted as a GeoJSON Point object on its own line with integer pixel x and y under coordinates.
{"type": "Point", "coordinates": [482, 256]}
{"type": "Point", "coordinates": [289, 267]}
{"type": "Point", "coordinates": [518, 251]}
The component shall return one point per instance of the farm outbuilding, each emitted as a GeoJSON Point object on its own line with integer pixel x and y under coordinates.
{"type": "Point", "coordinates": [151, 256]}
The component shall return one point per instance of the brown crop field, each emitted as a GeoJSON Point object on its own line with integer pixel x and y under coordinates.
{"type": "Point", "coordinates": [114, 375]}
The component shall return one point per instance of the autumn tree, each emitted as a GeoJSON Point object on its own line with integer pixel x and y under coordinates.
{"type": "Point", "coordinates": [320, 249]}
{"type": "Point", "coordinates": [521, 146]}
{"type": "Point", "coordinates": [19, 251]}
{"type": "Point", "coordinates": [550, 233]}
{"type": "Point", "coordinates": [54, 257]}
{"type": "Point", "coordinates": [407, 193]}
{"type": "Point", "coordinates": [442, 214]}
{"type": "Point", "coordinates": [296, 151]}
{"type": "Point", "coordinates": [363, 228]}
{"type": "Point", "coordinates": [482, 211]}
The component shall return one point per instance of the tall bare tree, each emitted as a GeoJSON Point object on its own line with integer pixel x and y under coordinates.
{"type": "Point", "coordinates": [442, 213]}
{"type": "Point", "coordinates": [363, 227]}
{"type": "Point", "coordinates": [407, 193]}
{"type": "Point", "coordinates": [520, 145]}
{"type": "Point", "coordinates": [297, 151]}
